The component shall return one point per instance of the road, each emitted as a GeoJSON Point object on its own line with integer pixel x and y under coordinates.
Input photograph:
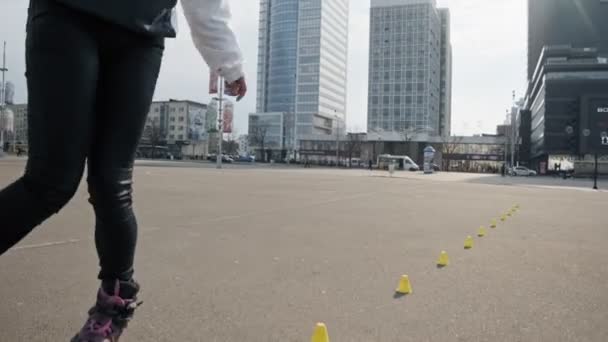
{"type": "Point", "coordinates": [262, 254]}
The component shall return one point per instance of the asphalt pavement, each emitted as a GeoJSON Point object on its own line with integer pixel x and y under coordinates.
{"type": "Point", "coordinates": [262, 254]}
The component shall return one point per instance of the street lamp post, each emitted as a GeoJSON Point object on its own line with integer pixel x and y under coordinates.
{"type": "Point", "coordinates": [507, 135]}
{"type": "Point", "coordinates": [379, 151]}
{"type": "Point", "coordinates": [220, 121]}
{"type": "Point", "coordinates": [3, 99]}
{"type": "Point", "coordinates": [513, 131]}
{"type": "Point", "coordinates": [337, 142]}
{"type": "Point", "coordinates": [595, 173]}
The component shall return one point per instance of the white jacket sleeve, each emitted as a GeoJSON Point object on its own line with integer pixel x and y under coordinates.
{"type": "Point", "coordinates": [213, 36]}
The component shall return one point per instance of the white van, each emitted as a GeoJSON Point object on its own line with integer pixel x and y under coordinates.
{"type": "Point", "coordinates": [401, 162]}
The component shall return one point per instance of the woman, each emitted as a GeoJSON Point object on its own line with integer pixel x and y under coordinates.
{"type": "Point", "coordinates": [91, 70]}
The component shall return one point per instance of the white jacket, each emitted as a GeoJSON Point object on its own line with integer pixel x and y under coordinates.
{"type": "Point", "coordinates": [209, 21]}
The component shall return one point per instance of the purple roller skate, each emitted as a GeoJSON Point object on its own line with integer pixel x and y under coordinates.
{"type": "Point", "coordinates": [111, 314]}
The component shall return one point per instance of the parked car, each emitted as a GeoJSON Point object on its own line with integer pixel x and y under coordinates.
{"type": "Point", "coordinates": [522, 171]}
{"type": "Point", "coordinates": [246, 159]}
{"type": "Point", "coordinates": [227, 159]}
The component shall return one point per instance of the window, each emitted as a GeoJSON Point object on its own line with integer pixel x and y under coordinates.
{"type": "Point", "coordinates": [181, 109]}
{"type": "Point", "coordinates": [181, 137]}
{"type": "Point", "coordinates": [181, 119]}
{"type": "Point", "coordinates": [397, 100]}
{"type": "Point", "coordinates": [156, 110]}
{"type": "Point", "coordinates": [172, 109]}
{"type": "Point", "coordinates": [172, 119]}
{"type": "Point", "coordinates": [386, 100]}
{"type": "Point", "coordinates": [172, 128]}
{"type": "Point", "coordinates": [181, 128]}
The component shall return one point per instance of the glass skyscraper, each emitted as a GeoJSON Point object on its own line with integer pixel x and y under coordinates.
{"type": "Point", "coordinates": [410, 67]}
{"type": "Point", "coordinates": [302, 62]}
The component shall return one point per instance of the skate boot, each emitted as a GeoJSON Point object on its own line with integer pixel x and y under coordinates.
{"type": "Point", "coordinates": [115, 306]}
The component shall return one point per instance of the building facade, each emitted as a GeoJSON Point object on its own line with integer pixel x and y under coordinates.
{"type": "Point", "coordinates": [178, 124]}
{"type": "Point", "coordinates": [565, 100]}
{"type": "Point", "coordinates": [578, 23]}
{"type": "Point", "coordinates": [18, 133]}
{"type": "Point", "coordinates": [484, 153]}
{"type": "Point", "coordinates": [302, 62]}
{"type": "Point", "coordinates": [410, 67]}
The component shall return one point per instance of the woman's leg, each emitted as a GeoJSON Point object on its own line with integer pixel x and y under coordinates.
{"type": "Point", "coordinates": [130, 65]}
{"type": "Point", "coordinates": [62, 66]}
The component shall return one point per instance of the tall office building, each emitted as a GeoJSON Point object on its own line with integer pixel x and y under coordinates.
{"type": "Point", "coordinates": [445, 83]}
{"type": "Point", "coordinates": [409, 67]}
{"type": "Point", "coordinates": [578, 23]}
{"type": "Point", "coordinates": [302, 62]}
{"type": "Point", "coordinates": [567, 81]}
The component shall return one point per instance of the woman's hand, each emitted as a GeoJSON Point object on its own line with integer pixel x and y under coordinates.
{"type": "Point", "coordinates": [237, 88]}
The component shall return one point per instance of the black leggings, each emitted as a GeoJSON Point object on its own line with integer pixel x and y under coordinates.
{"type": "Point", "coordinates": [90, 84]}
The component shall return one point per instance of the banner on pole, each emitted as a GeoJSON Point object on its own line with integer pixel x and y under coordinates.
{"type": "Point", "coordinates": [228, 116]}
{"type": "Point", "coordinates": [214, 77]}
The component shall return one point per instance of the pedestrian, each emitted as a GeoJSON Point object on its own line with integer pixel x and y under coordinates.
{"type": "Point", "coordinates": [91, 106]}
{"type": "Point", "coordinates": [371, 165]}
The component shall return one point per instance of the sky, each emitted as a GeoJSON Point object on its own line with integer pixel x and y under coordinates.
{"type": "Point", "coordinates": [489, 39]}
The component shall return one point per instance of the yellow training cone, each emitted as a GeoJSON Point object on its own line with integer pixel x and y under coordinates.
{"type": "Point", "coordinates": [481, 232]}
{"type": "Point", "coordinates": [404, 285]}
{"type": "Point", "coordinates": [493, 224]}
{"type": "Point", "coordinates": [320, 334]}
{"type": "Point", "coordinates": [468, 243]}
{"type": "Point", "coordinates": [508, 213]}
{"type": "Point", "coordinates": [503, 218]}
{"type": "Point", "coordinates": [444, 260]}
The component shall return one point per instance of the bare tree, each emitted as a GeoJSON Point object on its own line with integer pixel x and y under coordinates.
{"type": "Point", "coordinates": [153, 134]}
{"type": "Point", "coordinates": [230, 145]}
{"type": "Point", "coordinates": [407, 134]}
{"type": "Point", "coordinates": [257, 137]}
{"type": "Point", "coordinates": [156, 133]}
{"type": "Point", "coordinates": [449, 144]}
{"type": "Point", "coordinates": [353, 144]}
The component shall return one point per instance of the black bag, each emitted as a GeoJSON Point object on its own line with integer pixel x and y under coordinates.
{"type": "Point", "coordinates": [152, 17]}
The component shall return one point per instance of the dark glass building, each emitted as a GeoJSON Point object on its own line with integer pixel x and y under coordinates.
{"type": "Point", "coordinates": [564, 105]}
{"type": "Point", "coordinates": [578, 23]}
